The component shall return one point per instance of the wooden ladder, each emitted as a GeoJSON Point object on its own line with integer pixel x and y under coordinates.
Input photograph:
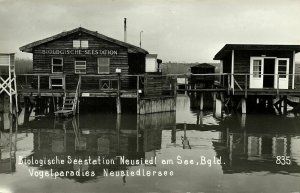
{"type": "Point", "coordinates": [70, 102]}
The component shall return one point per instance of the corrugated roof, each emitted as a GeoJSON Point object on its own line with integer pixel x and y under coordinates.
{"type": "Point", "coordinates": [131, 48]}
{"type": "Point", "coordinates": [263, 47]}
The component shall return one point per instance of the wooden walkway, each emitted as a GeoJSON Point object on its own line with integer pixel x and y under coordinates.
{"type": "Point", "coordinates": [83, 93]}
{"type": "Point", "coordinates": [222, 89]}
{"type": "Point", "coordinates": [222, 84]}
{"type": "Point", "coordinates": [267, 91]}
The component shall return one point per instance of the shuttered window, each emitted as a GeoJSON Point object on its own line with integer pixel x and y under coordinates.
{"type": "Point", "coordinates": [84, 44]}
{"type": "Point", "coordinates": [103, 65]}
{"type": "Point", "coordinates": [76, 43]}
{"type": "Point", "coordinates": [80, 43]}
{"type": "Point", "coordinates": [80, 66]}
{"type": "Point", "coordinates": [4, 60]}
{"type": "Point", "coordinates": [282, 68]}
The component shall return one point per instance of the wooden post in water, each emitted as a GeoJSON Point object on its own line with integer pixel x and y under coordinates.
{"type": "Point", "coordinates": [214, 100]}
{"type": "Point", "coordinates": [49, 104]}
{"type": "Point", "coordinates": [285, 105]}
{"type": "Point", "coordinates": [218, 108]}
{"type": "Point", "coordinates": [175, 86]}
{"type": "Point", "coordinates": [270, 103]}
{"type": "Point", "coordinates": [118, 102]}
{"type": "Point", "coordinates": [201, 117]}
{"type": "Point", "coordinates": [27, 110]}
{"type": "Point", "coordinates": [245, 140]}
{"type": "Point", "coordinates": [37, 104]}
{"type": "Point", "coordinates": [244, 106]}
{"type": "Point", "coordinates": [201, 101]}
{"type": "Point", "coordinates": [137, 132]}
{"type": "Point", "coordinates": [243, 121]}
{"type": "Point", "coordinates": [173, 134]}
{"type": "Point", "coordinates": [54, 103]}
{"type": "Point", "coordinates": [227, 137]}
{"type": "Point", "coordinates": [118, 127]}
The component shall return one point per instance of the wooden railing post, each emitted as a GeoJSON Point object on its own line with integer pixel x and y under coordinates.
{"type": "Point", "coordinates": [145, 84]}
{"type": "Point", "coordinates": [175, 86]}
{"type": "Point", "coordinates": [64, 83]}
{"type": "Point", "coordinates": [185, 84]}
{"type": "Point", "coordinates": [137, 94]}
{"type": "Point", "coordinates": [233, 79]}
{"type": "Point", "coordinates": [118, 99]}
{"type": "Point", "coordinates": [119, 83]}
{"type": "Point", "coordinates": [278, 84]}
{"type": "Point", "coordinates": [78, 93]}
{"type": "Point", "coordinates": [39, 82]}
{"type": "Point", "coordinates": [228, 84]}
{"type": "Point", "coordinates": [246, 85]}
{"type": "Point", "coordinates": [223, 83]}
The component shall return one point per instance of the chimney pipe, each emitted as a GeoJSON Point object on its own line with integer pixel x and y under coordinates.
{"type": "Point", "coordinates": [125, 33]}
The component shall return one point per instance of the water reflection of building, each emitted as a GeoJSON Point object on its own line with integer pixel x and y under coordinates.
{"type": "Point", "coordinates": [7, 151]}
{"type": "Point", "coordinates": [248, 151]}
{"type": "Point", "coordinates": [132, 136]}
{"type": "Point", "coordinates": [4, 122]}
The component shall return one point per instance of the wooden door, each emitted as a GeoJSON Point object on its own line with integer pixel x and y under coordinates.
{"type": "Point", "coordinates": [256, 72]}
{"type": "Point", "coordinates": [282, 73]}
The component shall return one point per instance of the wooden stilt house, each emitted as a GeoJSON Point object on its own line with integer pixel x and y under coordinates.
{"type": "Point", "coordinates": [84, 63]}
{"type": "Point", "coordinates": [69, 54]}
{"type": "Point", "coordinates": [264, 66]}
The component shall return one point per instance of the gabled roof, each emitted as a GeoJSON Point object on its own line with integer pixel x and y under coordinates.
{"type": "Point", "coordinates": [262, 47]}
{"type": "Point", "coordinates": [131, 48]}
{"type": "Point", "coordinates": [1, 53]}
{"type": "Point", "coordinates": [152, 55]}
{"type": "Point", "coordinates": [203, 65]}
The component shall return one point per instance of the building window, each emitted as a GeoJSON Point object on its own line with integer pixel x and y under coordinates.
{"type": "Point", "coordinates": [80, 43]}
{"type": "Point", "coordinates": [103, 65]}
{"type": "Point", "coordinates": [84, 44]}
{"type": "Point", "coordinates": [57, 65]}
{"type": "Point", "coordinates": [76, 43]}
{"type": "Point", "coordinates": [80, 66]}
{"type": "Point", "coordinates": [56, 82]}
{"type": "Point", "coordinates": [282, 68]}
{"type": "Point", "coordinates": [256, 68]}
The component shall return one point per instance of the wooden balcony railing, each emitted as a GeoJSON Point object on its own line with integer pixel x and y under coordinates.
{"type": "Point", "coordinates": [148, 84]}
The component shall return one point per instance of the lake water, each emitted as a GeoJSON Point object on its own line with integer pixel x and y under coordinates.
{"type": "Point", "coordinates": [197, 151]}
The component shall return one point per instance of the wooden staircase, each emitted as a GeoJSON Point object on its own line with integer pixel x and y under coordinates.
{"type": "Point", "coordinates": [70, 103]}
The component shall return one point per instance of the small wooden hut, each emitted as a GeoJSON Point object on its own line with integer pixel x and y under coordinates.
{"type": "Point", "coordinates": [202, 81]}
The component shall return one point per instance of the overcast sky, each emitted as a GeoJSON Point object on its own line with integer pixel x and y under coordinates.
{"type": "Point", "coordinates": [177, 30]}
